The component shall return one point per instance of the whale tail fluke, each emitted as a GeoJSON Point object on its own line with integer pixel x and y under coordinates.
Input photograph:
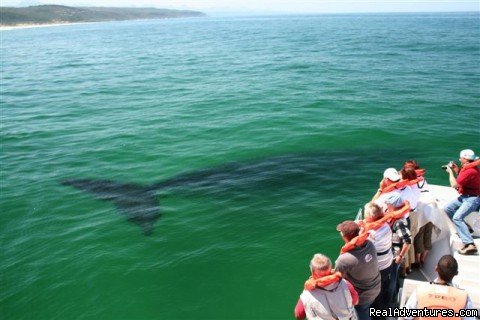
{"type": "Point", "coordinates": [138, 203]}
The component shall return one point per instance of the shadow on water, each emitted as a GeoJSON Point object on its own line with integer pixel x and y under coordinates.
{"type": "Point", "coordinates": [279, 175]}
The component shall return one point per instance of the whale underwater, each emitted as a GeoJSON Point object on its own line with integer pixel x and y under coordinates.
{"type": "Point", "coordinates": [140, 203]}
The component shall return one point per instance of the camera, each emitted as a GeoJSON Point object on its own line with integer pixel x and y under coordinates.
{"type": "Point", "coordinates": [451, 164]}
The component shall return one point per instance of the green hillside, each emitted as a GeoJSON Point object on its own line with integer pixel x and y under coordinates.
{"type": "Point", "coordinates": [10, 16]}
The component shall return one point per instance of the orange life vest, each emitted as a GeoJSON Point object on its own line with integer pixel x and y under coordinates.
{"type": "Point", "coordinates": [471, 165]}
{"type": "Point", "coordinates": [311, 284]}
{"type": "Point", "coordinates": [389, 217]}
{"type": "Point", "coordinates": [374, 225]}
{"type": "Point", "coordinates": [437, 296]}
{"type": "Point", "coordinates": [358, 241]}
{"type": "Point", "coordinates": [400, 184]}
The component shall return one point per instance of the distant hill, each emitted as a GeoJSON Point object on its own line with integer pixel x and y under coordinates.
{"type": "Point", "coordinates": [43, 14]}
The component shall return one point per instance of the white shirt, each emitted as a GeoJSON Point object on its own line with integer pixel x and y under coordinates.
{"type": "Point", "coordinates": [407, 193]}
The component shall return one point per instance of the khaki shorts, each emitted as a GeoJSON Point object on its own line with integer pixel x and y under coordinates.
{"type": "Point", "coordinates": [423, 240]}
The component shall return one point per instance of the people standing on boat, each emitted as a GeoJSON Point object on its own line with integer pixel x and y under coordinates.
{"type": "Point", "coordinates": [422, 184]}
{"type": "Point", "coordinates": [401, 242]}
{"type": "Point", "coordinates": [420, 228]}
{"type": "Point", "coordinates": [467, 183]}
{"type": "Point", "coordinates": [441, 293]}
{"type": "Point", "coordinates": [381, 236]}
{"type": "Point", "coordinates": [410, 178]}
{"type": "Point", "coordinates": [358, 263]}
{"type": "Point", "coordinates": [326, 294]}
{"type": "Point", "coordinates": [392, 182]}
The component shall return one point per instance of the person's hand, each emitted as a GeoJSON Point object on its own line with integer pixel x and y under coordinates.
{"type": "Point", "coordinates": [449, 170]}
{"type": "Point", "coordinates": [454, 167]}
{"type": "Point", "coordinates": [398, 259]}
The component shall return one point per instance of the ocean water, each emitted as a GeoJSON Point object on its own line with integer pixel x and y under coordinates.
{"type": "Point", "coordinates": [275, 130]}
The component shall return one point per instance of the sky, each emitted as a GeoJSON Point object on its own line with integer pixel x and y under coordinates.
{"type": "Point", "coordinates": [217, 7]}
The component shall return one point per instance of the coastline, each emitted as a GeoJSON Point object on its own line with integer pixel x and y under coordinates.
{"type": "Point", "coordinates": [36, 25]}
{"type": "Point", "coordinates": [60, 23]}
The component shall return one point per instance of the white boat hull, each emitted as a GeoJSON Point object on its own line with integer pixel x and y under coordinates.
{"type": "Point", "coordinates": [446, 241]}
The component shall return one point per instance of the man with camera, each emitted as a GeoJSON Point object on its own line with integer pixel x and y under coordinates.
{"type": "Point", "coordinates": [467, 183]}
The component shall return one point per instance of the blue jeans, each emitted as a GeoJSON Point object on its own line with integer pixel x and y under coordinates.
{"type": "Point", "coordinates": [363, 311]}
{"type": "Point", "coordinates": [393, 285]}
{"type": "Point", "coordinates": [458, 210]}
{"type": "Point", "coordinates": [381, 301]}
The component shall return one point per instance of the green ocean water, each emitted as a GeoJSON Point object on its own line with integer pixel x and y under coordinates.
{"type": "Point", "coordinates": [293, 117]}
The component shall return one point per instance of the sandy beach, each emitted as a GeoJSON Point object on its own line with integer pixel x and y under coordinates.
{"type": "Point", "coordinates": [25, 26]}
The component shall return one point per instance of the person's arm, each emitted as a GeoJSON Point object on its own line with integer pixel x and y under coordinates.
{"type": "Point", "coordinates": [341, 267]}
{"type": "Point", "coordinates": [353, 292]}
{"type": "Point", "coordinates": [468, 305]}
{"type": "Point", "coordinates": [376, 195]}
{"type": "Point", "coordinates": [403, 252]}
{"type": "Point", "coordinates": [300, 310]}
{"type": "Point", "coordinates": [404, 232]}
{"type": "Point", "coordinates": [381, 185]}
{"type": "Point", "coordinates": [451, 178]}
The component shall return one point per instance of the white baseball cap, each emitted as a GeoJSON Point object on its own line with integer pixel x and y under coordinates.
{"type": "Point", "coordinates": [394, 199]}
{"type": "Point", "coordinates": [392, 174]}
{"type": "Point", "coordinates": [467, 154]}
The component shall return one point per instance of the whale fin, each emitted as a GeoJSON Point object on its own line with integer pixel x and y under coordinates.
{"type": "Point", "coordinates": [138, 203]}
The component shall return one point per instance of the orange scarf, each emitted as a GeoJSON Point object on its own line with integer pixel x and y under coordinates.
{"type": "Point", "coordinates": [311, 284]}
{"type": "Point", "coordinates": [358, 241]}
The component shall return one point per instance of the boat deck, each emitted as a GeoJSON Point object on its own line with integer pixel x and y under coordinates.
{"type": "Point", "coordinates": [446, 241]}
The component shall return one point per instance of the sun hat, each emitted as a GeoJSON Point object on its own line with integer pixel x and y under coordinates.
{"type": "Point", "coordinates": [392, 174]}
{"type": "Point", "coordinates": [394, 199]}
{"type": "Point", "coordinates": [467, 154]}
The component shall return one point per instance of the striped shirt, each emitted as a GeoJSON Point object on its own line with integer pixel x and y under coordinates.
{"type": "Point", "coordinates": [382, 239]}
